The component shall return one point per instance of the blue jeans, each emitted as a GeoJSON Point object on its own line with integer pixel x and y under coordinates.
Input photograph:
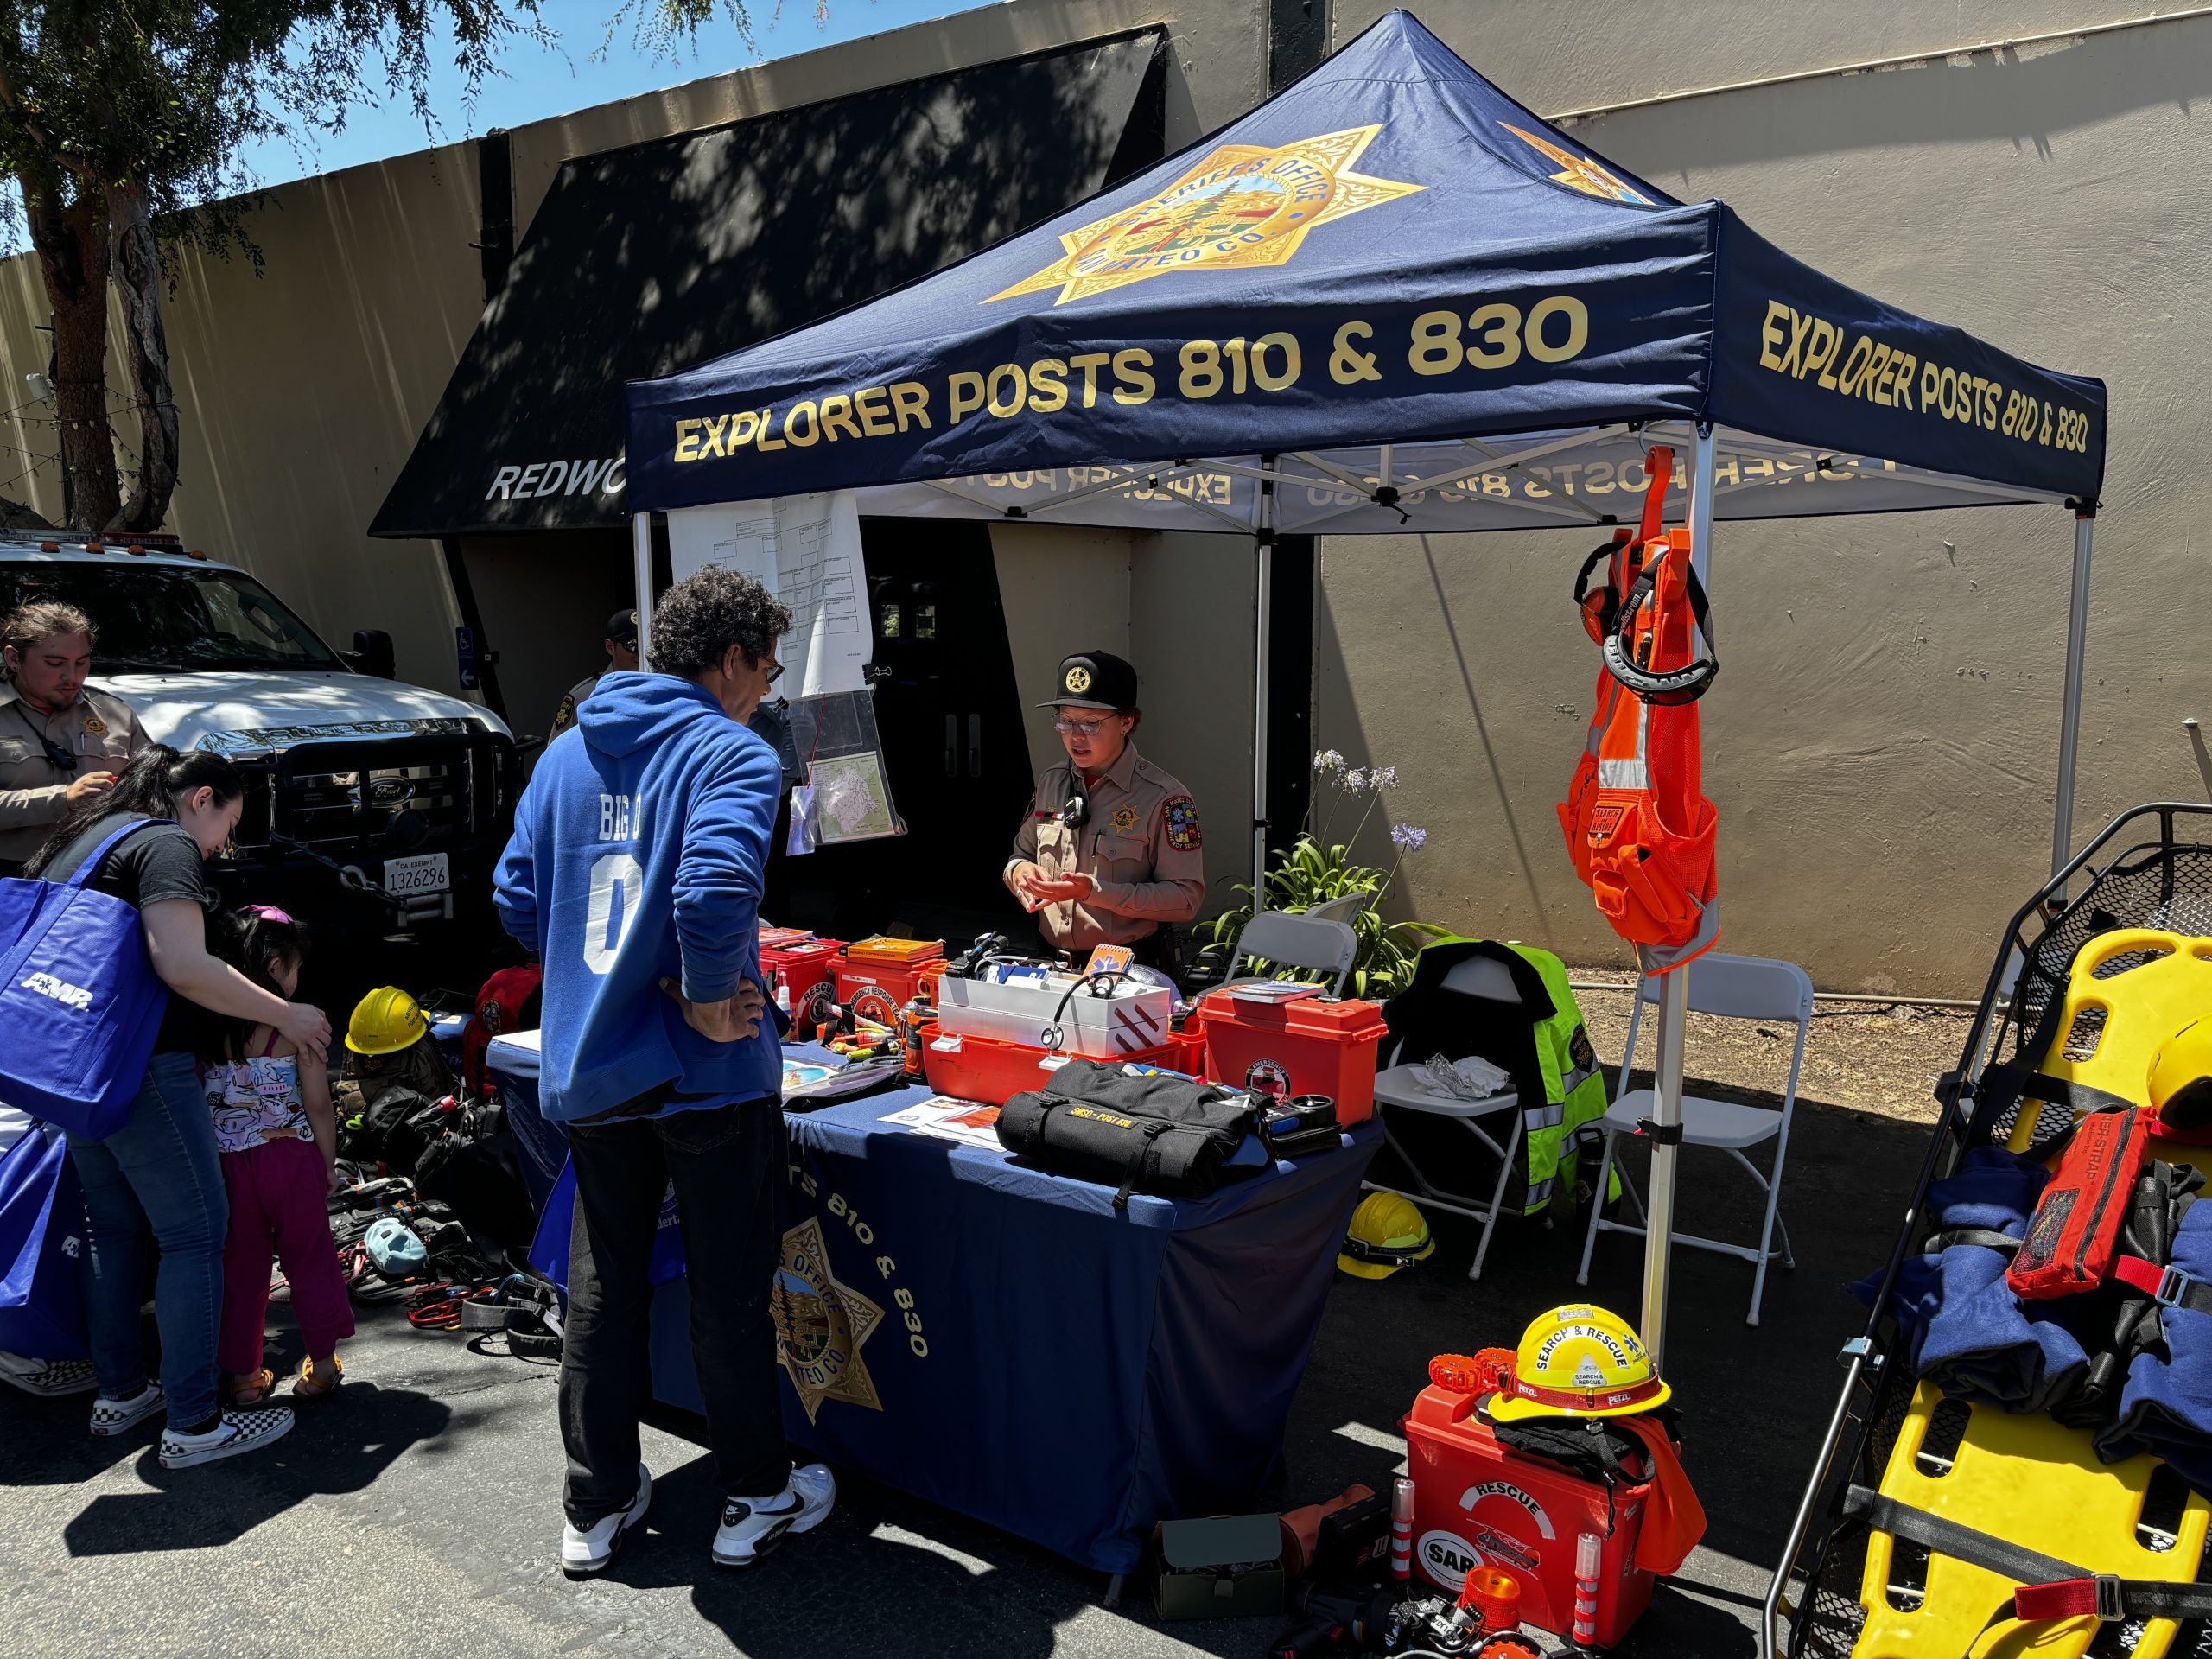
{"type": "Point", "coordinates": [159, 1173]}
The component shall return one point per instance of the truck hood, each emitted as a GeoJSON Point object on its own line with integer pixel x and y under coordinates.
{"type": "Point", "coordinates": [234, 712]}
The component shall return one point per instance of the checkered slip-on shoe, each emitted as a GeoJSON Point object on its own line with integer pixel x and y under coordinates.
{"type": "Point", "coordinates": [47, 1379]}
{"type": "Point", "coordinates": [235, 1432]}
{"type": "Point", "coordinates": [114, 1416]}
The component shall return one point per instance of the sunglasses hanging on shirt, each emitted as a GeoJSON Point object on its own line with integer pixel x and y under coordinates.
{"type": "Point", "coordinates": [57, 757]}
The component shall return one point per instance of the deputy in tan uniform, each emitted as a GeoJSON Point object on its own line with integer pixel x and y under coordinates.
{"type": "Point", "coordinates": [1110, 851]}
{"type": "Point", "coordinates": [59, 740]}
{"type": "Point", "coordinates": [622, 656]}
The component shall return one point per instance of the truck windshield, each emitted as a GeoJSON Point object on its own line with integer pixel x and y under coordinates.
{"type": "Point", "coordinates": [157, 619]}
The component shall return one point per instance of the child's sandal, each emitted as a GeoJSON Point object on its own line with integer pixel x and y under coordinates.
{"type": "Point", "coordinates": [253, 1387]}
{"type": "Point", "coordinates": [308, 1386]}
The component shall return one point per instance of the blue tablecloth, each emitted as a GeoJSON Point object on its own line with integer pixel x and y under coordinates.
{"type": "Point", "coordinates": [1006, 1343]}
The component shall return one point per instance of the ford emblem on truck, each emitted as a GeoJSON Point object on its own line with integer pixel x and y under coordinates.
{"type": "Point", "coordinates": [389, 792]}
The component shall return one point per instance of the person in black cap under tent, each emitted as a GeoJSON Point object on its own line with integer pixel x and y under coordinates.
{"type": "Point", "coordinates": [1109, 852]}
{"type": "Point", "coordinates": [622, 656]}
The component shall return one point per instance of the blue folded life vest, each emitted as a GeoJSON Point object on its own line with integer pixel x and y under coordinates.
{"type": "Point", "coordinates": [1964, 1329]}
{"type": "Point", "coordinates": [2166, 1407]}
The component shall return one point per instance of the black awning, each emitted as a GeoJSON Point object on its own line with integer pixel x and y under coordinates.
{"type": "Point", "coordinates": [646, 259]}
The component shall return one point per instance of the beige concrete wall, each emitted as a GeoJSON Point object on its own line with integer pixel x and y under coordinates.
{"type": "Point", "coordinates": [1179, 607]}
{"type": "Point", "coordinates": [1882, 742]}
{"type": "Point", "coordinates": [1191, 637]}
{"type": "Point", "coordinates": [1065, 589]}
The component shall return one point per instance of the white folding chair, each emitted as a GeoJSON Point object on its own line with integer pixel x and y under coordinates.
{"type": "Point", "coordinates": [1734, 987]}
{"type": "Point", "coordinates": [1347, 909]}
{"type": "Point", "coordinates": [1400, 1084]}
{"type": "Point", "coordinates": [1293, 939]}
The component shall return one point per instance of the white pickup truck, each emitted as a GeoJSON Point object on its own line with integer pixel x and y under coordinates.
{"type": "Point", "coordinates": [367, 799]}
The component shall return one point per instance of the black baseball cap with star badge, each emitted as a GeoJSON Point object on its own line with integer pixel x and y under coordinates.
{"type": "Point", "coordinates": [622, 629]}
{"type": "Point", "coordinates": [1094, 679]}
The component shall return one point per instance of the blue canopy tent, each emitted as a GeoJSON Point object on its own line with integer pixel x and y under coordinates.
{"type": "Point", "coordinates": [1388, 299]}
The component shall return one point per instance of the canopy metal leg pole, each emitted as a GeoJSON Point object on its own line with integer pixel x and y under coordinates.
{"type": "Point", "coordinates": [1262, 608]}
{"type": "Point", "coordinates": [1673, 1008]}
{"type": "Point", "coordinates": [2070, 719]}
{"type": "Point", "coordinates": [641, 560]}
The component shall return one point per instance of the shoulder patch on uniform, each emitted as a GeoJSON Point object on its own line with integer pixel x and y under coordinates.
{"type": "Point", "coordinates": [1125, 819]}
{"type": "Point", "coordinates": [565, 716]}
{"type": "Point", "coordinates": [1180, 813]}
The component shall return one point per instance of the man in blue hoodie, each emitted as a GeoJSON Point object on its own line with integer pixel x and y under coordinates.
{"type": "Point", "coordinates": [635, 874]}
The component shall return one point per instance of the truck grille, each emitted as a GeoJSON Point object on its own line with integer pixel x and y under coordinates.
{"type": "Point", "coordinates": [388, 796]}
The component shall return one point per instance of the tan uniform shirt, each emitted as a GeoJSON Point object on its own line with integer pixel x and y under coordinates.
{"type": "Point", "coordinates": [565, 716]}
{"type": "Point", "coordinates": [1142, 846]}
{"type": "Point", "coordinates": [99, 729]}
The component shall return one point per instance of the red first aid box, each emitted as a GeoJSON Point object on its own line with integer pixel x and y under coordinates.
{"type": "Point", "coordinates": [1480, 1503]}
{"type": "Point", "coordinates": [798, 962]}
{"type": "Point", "coordinates": [1323, 1047]}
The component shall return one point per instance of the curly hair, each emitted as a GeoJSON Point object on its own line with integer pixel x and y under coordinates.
{"type": "Point", "coordinates": [42, 619]}
{"type": "Point", "coordinates": [699, 619]}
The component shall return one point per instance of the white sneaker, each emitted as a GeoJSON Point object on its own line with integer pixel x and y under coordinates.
{"type": "Point", "coordinates": [234, 1431]}
{"type": "Point", "coordinates": [113, 1417]}
{"type": "Point", "coordinates": [589, 1550]}
{"type": "Point", "coordinates": [752, 1527]}
{"type": "Point", "coordinates": [47, 1379]}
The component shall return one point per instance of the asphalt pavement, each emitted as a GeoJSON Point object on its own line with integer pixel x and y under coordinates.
{"type": "Point", "coordinates": [417, 1513]}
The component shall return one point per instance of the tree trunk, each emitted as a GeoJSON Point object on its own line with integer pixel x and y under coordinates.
{"type": "Point", "coordinates": [138, 280]}
{"type": "Point", "coordinates": [72, 241]}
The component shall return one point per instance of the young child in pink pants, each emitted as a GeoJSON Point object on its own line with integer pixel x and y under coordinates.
{"type": "Point", "coordinates": [279, 1141]}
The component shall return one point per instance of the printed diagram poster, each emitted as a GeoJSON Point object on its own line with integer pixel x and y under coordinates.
{"type": "Point", "coordinates": [805, 549]}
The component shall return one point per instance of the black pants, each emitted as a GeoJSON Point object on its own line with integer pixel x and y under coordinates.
{"type": "Point", "coordinates": [1155, 950]}
{"type": "Point", "coordinates": [728, 1163]}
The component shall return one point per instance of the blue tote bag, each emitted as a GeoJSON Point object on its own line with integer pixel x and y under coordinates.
{"type": "Point", "coordinates": [80, 1001]}
{"type": "Point", "coordinates": [41, 1239]}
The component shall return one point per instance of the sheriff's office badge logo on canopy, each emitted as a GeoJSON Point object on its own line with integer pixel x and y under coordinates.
{"type": "Point", "coordinates": [821, 1326]}
{"type": "Point", "coordinates": [1581, 172]}
{"type": "Point", "coordinates": [1244, 205]}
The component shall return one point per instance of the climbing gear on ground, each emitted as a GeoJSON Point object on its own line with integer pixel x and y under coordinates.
{"type": "Point", "coordinates": [385, 1021]}
{"type": "Point", "coordinates": [1387, 1232]}
{"type": "Point", "coordinates": [395, 1249]}
{"type": "Point", "coordinates": [1667, 577]}
{"type": "Point", "coordinates": [1579, 1361]}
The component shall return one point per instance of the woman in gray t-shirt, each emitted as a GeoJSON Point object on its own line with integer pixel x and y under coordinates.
{"type": "Point", "coordinates": [160, 1174]}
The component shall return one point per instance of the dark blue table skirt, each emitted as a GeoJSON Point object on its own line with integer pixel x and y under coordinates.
{"type": "Point", "coordinates": [1007, 1343]}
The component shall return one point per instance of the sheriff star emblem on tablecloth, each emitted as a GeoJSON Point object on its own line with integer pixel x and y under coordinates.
{"type": "Point", "coordinates": [1243, 205]}
{"type": "Point", "coordinates": [820, 1325]}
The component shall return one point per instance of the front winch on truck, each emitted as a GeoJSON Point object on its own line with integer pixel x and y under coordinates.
{"type": "Point", "coordinates": [368, 801]}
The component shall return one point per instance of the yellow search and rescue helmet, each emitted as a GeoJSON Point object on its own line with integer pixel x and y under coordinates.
{"type": "Point", "coordinates": [1579, 1361]}
{"type": "Point", "coordinates": [2180, 1077]}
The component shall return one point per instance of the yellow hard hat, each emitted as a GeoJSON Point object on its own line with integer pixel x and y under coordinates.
{"type": "Point", "coordinates": [385, 1021]}
{"type": "Point", "coordinates": [1387, 1233]}
{"type": "Point", "coordinates": [2180, 1077]}
{"type": "Point", "coordinates": [1579, 1361]}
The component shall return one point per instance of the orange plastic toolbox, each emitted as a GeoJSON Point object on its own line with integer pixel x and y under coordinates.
{"type": "Point", "coordinates": [1324, 1047]}
{"type": "Point", "coordinates": [898, 967]}
{"type": "Point", "coordinates": [984, 1069]}
{"type": "Point", "coordinates": [1480, 1503]}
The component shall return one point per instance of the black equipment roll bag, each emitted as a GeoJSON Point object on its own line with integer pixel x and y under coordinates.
{"type": "Point", "coordinates": [1152, 1133]}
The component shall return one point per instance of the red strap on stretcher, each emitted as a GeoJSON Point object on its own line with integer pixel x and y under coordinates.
{"type": "Point", "coordinates": [2067, 1598]}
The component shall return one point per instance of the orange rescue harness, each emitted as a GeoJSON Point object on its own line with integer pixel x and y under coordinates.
{"type": "Point", "coordinates": [1638, 826]}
